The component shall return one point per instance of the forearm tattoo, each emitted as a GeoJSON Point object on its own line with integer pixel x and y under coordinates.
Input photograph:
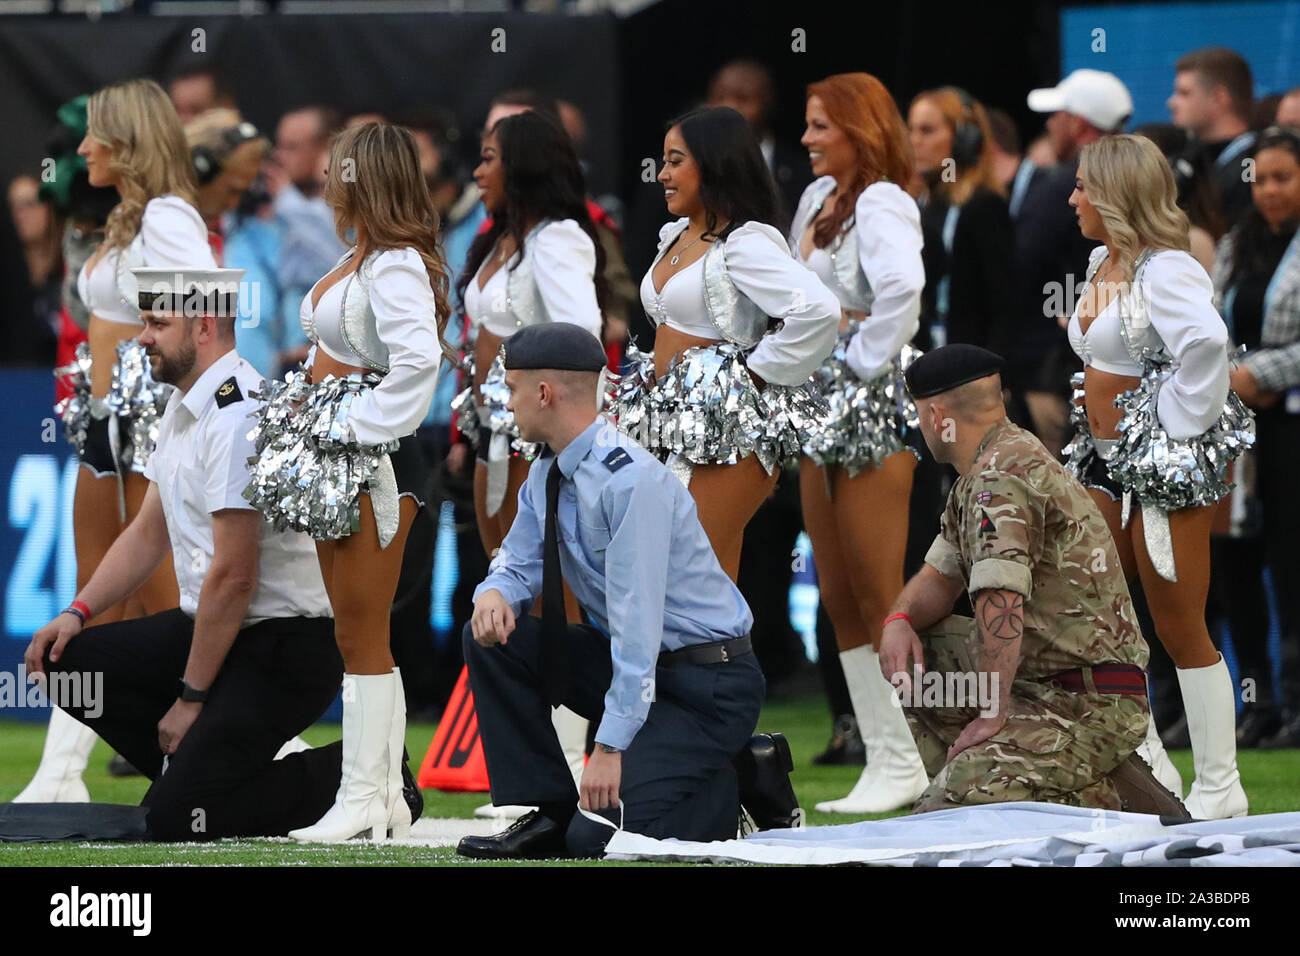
{"type": "Point", "coordinates": [1002, 614]}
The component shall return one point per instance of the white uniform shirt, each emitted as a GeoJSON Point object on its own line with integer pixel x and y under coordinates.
{"type": "Point", "coordinates": [201, 467]}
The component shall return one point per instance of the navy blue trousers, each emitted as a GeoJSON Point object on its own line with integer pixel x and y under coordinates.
{"type": "Point", "coordinates": [678, 779]}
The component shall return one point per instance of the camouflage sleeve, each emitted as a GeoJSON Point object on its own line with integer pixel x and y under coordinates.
{"type": "Point", "coordinates": [944, 555]}
{"type": "Point", "coordinates": [1004, 524]}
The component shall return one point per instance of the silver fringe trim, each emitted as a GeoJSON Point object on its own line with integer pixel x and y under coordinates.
{"type": "Point", "coordinates": [867, 421]}
{"type": "Point", "coordinates": [80, 408]}
{"type": "Point", "coordinates": [309, 470]}
{"type": "Point", "coordinates": [707, 409]}
{"type": "Point", "coordinates": [139, 401]}
{"type": "Point", "coordinates": [1162, 474]}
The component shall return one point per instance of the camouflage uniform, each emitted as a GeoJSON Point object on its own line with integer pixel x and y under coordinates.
{"type": "Point", "coordinates": [1018, 521]}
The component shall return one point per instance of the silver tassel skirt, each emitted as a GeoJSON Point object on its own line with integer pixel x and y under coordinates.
{"type": "Point", "coordinates": [309, 471]}
{"type": "Point", "coordinates": [138, 402]}
{"type": "Point", "coordinates": [707, 410]}
{"type": "Point", "coordinates": [866, 421]}
{"type": "Point", "coordinates": [489, 411]}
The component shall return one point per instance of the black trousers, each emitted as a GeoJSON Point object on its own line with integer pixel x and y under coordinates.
{"type": "Point", "coordinates": [278, 678]}
{"type": "Point", "coordinates": [678, 779]}
{"type": "Point", "coordinates": [1278, 459]}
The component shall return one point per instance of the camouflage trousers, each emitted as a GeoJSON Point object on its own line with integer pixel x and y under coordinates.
{"type": "Point", "coordinates": [1057, 746]}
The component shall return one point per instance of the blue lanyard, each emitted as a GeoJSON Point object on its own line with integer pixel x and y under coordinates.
{"type": "Point", "coordinates": [1238, 145]}
{"type": "Point", "coordinates": [1020, 186]}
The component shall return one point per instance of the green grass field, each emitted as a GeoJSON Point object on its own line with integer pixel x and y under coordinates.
{"type": "Point", "coordinates": [1270, 780]}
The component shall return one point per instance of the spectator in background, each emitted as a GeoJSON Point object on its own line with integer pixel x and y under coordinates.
{"type": "Point", "coordinates": [965, 221]}
{"type": "Point", "coordinates": [1013, 169]}
{"type": "Point", "coordinates": [39, 229]}
{"type": "Point", "coordinates": [228, 154]}
{"type": "Point", "coordinates": [1257, 290]}
{"type": "Point", "coordinates": [1051, 254]}
{"type": "Point", "coordinates": [746, 87]}
{"type": "Point", "coordinates": [296, 179]}
{"type": "Point", "coordinates": [1197, 194]}
{"type": "Point", "coordinates": [196, 90]}
{"type": "Point", "coordinates": [1288, 110]}
{"type": "Point", "coordinates": [1263, 112]}
{"type": "Point", "coordinates": [1213, 93]}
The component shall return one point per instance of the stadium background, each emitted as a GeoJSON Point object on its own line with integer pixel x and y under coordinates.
{"type": "Point", "coordinates": [629, 74]}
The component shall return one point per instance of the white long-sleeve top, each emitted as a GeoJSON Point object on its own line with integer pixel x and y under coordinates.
{"type": "Point", "coordinates": [564, 268]}
{"type": "Point", "coordinates": [759, 264]}
{"type": "Point", "coordinates": [887, 229]}
{"type": "Point", "coordinates": [405, 312]}
{"type": "Point", "coordinates": [172, 234]}
{"type": "Point", "coordinates": [1179, 297]}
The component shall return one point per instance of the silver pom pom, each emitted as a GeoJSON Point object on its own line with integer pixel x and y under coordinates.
{"type": "Point", "coordinates": [77, 409]}
{"type": "Point", "coordinates": [866, 421]}
{"type": "Point", "coordinates": [138, 401]}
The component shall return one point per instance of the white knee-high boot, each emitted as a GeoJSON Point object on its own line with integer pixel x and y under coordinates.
{"type": "Point", "coordinates": [68, 743]}
{"type": "Point", "coordinates": [894, 776]}
{"type": "Point", "coordinates": [1152, 750]}
{"type": "Point", "coordinates": [571, 728]}
{"type": "Point", "coordinates": [399, 814]}
{"type": "Point", "coordinates": [1208, 699]}
{"type": "Point", "coordinates": [361, 806]}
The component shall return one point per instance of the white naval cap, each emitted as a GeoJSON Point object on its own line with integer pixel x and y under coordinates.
{"type": "Point", "coordinates": [191, 292]}
{"type": "Point", "coordinates": [1099, 97]}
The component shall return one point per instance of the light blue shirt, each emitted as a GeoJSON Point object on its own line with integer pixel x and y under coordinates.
{"type": "Point", "coordinates": [635, 556]}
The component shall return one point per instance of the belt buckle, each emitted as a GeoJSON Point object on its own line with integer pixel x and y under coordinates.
{"type": "Point", "coordinates": [723, 648]}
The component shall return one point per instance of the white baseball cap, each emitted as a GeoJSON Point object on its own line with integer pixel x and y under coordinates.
{"type": "Point", "coordinates": [1099, 97]}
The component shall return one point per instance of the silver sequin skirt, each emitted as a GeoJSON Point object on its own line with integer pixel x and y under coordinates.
{"type": "Point", "coordinates": [866, 421]}
{"type": "Point", "coordinates": [708, 410]}
{"type": "Point", "coordinates": [1167, 473]}
{"type": "Point", "coordinates": [309, 471]}
{"type": "Point", "coordinates": [481, 418]}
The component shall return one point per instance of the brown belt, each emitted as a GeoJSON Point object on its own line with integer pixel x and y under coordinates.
{"type": "Point", "coordinates": [1111, 678]}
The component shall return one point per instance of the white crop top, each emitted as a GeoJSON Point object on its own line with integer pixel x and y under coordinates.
{"type": "Point", "coordinates": [759, 264]}
{"type": "Point", "coordinates": [171, 233]}
{"type": "Point", "coordinates": [1179, 298]}
{"type": "Point", "coordinates": [405, 314]}
{"type": "Point", "coordinates": [564, 268]}
{"type": "Point", "coordinates": [887, 226]}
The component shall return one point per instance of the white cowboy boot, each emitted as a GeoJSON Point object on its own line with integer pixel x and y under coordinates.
{"type": "Point", "coordinates": [399, 814]}
{"type": "Point", "coordinates": [894, 776]}
{"type": "Point", "coordinates": [68, 743]}
{"type": "Point", "coordinates": [572, 731]}
{"type": "Point", "coordinates": [361, 804]}
{"type": "Point", "coordinates": [1152, 750]}
{"type": "Point", "coordinates": [1209, 701]}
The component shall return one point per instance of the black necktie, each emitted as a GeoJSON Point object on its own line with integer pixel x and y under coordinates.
{"type": "Point", "coordinates": [555, 657]}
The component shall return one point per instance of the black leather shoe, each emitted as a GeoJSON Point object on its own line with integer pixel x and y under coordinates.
{"type": "Point", "coordinates": [846, 748]}
{"type": "Point", "coordinates": [411, 790]}
{"type": "Point", "coordinates": [119, 766]}
{"type": "Point", "coordinates": [1257, 722]}
{"type": "Point", "coordinates": [764, 768]}
{"type": "Point", "coordinates": [533, 836]}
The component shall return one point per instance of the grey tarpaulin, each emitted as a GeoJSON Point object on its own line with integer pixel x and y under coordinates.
{"type": "Point", "coordinates": [1006, 834]}
{"type": "Point", "coordinates": [54, 822]}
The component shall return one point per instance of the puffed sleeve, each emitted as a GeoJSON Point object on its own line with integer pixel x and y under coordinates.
{"type": "Point", "coordinates": [564, 264]}
{"type": "Point", "coordinates": [759, 263]}
{"type": "Point", "coordinates": [406, 319]}
{"type": "Point", "coordinates": [888, 225]}
{"type": "Point", "coordinates": [1180, 302]}
{"type": "Point", "coordinates": [173, 234]}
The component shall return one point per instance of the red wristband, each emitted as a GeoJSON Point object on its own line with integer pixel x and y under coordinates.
{"type": "Point", "coordinates": [83, 607]}
{"type": "Point", "coordinates": [897, 616]}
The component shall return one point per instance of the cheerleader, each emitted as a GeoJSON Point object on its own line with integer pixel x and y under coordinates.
{"type": "Point", "coordinates": [860, 232]}
{"type": "Point", "coordinates": [723, 397]}
{"type": "Point", "coordinates": [134, 144]}
{"type": "Point", "coordinates": [1157, 426]}
{"type": "Point", "coordinates": [540, 261]}
{"type": "Point", "coordinates": [337, 452]}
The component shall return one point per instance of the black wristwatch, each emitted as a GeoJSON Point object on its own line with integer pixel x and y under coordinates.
{"type": "Point", "coordinates": [607, 749]}
{"type": "Point", "coordinates": [191, 695]}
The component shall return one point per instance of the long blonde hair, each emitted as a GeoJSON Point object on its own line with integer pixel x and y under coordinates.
{"type": "Point", "coordinates": [137, 122]}
{"type": "Point", "coordinates": [1129, 183]}
{"type": "Point", "coordinates": [375, 182]}
{"type": "Point", "coordinates": [958, 109]}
